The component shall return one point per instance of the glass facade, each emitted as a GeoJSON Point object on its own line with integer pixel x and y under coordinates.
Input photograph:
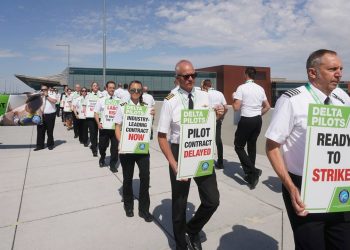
{"type": "Point", "coordinates": [159, 82]}
{"type": "Point", "coordinates": [278, 88]}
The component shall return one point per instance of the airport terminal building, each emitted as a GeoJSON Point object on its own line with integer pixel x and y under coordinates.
{"type": "Point", "coordinates": [225, 78]}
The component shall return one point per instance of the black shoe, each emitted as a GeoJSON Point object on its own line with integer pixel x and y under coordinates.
{"type": "Point", "coordinates": [101, 162]}
{"type": "Point", "coordinates": [50, 147]}
{"type": "Point", "coordinates": [86, 144]}
{"type": "Point", "coordinates": [146, 215]}
{"type": "Point", "coordinates": [113, 169]}
{"type": "Point", "coordinates": [258, 171]}
{"type": "Point", "coordinates": [94, 154]}
{"type": "Point", "coordinates": [37, 149]}
{"type": "Point", "coordinates": [129, 212]}
{"type": "Point", "coordinates": [75, 136]}
{"type": "Point", "coordinates": [253, 180]}
{"type": "Point", "coordinates": [219, 165]}
{"type": "Point", "coordinates": [193, 241]}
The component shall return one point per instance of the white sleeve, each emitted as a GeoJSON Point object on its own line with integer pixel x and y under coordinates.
{"type": "Point", "coordinates": [263, 95]}
{"type": "Point", "coordinates": [165, 118]}
{"type": "Point", "coordinates": [118, 118]}
{"type": "Point", "coordinates": [223, 100]}
{"type": "Point", "coordinates": [53, 96]}
{"type": "Point", "coordinates": [98, 106]}
{"type": "Point", "coordinates": [238, 94]}
{"type": "Point", "coordinates": [282, 121]}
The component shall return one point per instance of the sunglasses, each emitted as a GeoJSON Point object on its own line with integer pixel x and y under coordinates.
{"type": "Point", "coordinates": [133, 91]}
{"type": "Point", "coordinates": [83, 91]}
{"type": "Point", "coordinates": [43, 90]}
{"type": "Point", "coordinates": [186, 77]}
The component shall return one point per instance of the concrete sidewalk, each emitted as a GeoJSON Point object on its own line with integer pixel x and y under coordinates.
{"type": "Point", "coordinates": [61, 199]}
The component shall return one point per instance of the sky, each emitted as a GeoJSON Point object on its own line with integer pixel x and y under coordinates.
{"type": "Point", "coordinates": [156, 34]}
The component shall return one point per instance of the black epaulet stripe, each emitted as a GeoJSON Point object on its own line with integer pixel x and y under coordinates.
{"type": "Point", "coordinates": [292, 92]}
{"type": "Point", "coordinates": [337, 97]}
{"type": "Point", "coordinates": [122, 104]}
{"type": "Point", "coordinates": [171, 95]}
{"type": "Point", "coordinates": [143, 104]}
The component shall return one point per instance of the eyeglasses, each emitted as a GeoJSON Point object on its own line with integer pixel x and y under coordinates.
{"type": "Point", "coordinates": [83, 91]}
{"type": "Point", "coordinates": [133, 91]}
{"type": "Point", "coordinates": [186, 77]}
{"type": "Point", "coordinates": [43, 90]}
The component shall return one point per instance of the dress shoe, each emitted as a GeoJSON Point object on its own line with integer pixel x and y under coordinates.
{"type": "Point", "coordinates": [193, 241]}
{"type": "Point", "coordinates": [252, 180]}
{"type": "Point", "coordinates": [75, 136]}
{"type": "Point", "coordinates": [94, 154]}
{"type": "Point", "coordinates": [50, 147]}
{"type": "Point", "coordinates": [129, 212]}
{"type": "Point", "coordinates": [219, 165]}
{"type": "Point", "coordinates": [113, 168]}
{"type": "Point", "coordinates": [37, 149]}
{"type": "Point", "coordinates": [146, 215]}
{"type": "Point", "coordinates": [86, 144]}
{"type": "Point", "coordinates": [258, 171]}
{"type": "Point", "coordinates": [101, 162]}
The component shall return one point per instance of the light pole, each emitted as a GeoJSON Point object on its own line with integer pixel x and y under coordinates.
{"type": "Point", "coordinates": [104, 42]}
{"type": "Point", "coordinates": [68, 46]}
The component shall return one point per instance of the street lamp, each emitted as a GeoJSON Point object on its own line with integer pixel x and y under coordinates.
{"type": "Point", "coordinates": [68, 46]}
{"type": "Point", "coordinates": [104, 42]}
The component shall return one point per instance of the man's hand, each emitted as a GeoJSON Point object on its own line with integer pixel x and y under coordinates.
{"type": "Point", "coordinates": [174, 167]}
{"type": "Point", "coordinates": [219, 110]}
{"type": "Point", "coordinates": [297, 203]}
{"type": "Point", "coordinates": [100, 126]}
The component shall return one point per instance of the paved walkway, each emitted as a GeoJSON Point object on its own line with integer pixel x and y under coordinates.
{"type": "Point", "coordinates": [61, 199]}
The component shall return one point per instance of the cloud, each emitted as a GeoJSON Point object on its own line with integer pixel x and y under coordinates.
{"type": "Point", "coordinates": [273, 33]}
{"type": "Point", "coordinates": [5, 53]}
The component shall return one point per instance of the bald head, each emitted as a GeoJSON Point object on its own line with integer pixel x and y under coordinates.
{"type": "Point", "coordinates": [185, 75]}
{"type": "Point", "coordinates": [145, 89]}
{"type": "Point", "coordinates": [181, 64]}
{"type": "Point", "coordinates": [77, 87]}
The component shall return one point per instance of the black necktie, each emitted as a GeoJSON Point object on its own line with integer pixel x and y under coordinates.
{"type": "Point", "coordinates": [190, 101]}
{"type": "Point", "coordinates": [327, 101]}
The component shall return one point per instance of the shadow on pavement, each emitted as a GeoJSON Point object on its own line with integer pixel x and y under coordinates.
{"type": "Point", "coordinates": [59, 142]}
{"type": "Point", "coordinates": [274, 184]}
{"type": "Point", "coordinates": [162, 217]}
{"type": "Point", "coordinates": [244, 238]}
{"type": "Point", "coordinates": [234, 171]}
{"type": "Point", "coordinates": [16, 146]}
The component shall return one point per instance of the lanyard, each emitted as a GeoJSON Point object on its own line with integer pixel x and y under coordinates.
{"type": "Point", "coordinates": [313, 94]}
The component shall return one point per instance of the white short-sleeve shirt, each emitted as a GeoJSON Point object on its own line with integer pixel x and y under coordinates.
{"type": "Point", "coordinates": [170, 114]}
{"type": "Point", "coordinates": [147, 98]}
{"type": "Point", "coordinates": [50, 107]}
{"type": "Point", "coordinates": [216, 97]}
{"type": "Point", "coordinates": [251, 96]}
{"type": "Point", "coordinates": [289, 123]}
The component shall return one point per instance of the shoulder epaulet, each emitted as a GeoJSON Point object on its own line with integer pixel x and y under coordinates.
{"type": "Point", "coordinates": [171, 95]}
{"type": "Point", "coordinates": [122, 104]}
{"type": "Point", "coordinates": [292, 92]}
{"type": "Point", "coordinates": [337, 97]}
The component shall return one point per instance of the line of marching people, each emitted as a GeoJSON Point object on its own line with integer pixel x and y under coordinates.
{"type": "Point", "coordinates": [96, 117]}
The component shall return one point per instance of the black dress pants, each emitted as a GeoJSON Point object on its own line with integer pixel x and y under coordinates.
{"type": "Point", "coordinates": [218, 140]}
{"type": "Point", "coordinates": [93, 130]}
{"type": "Point", "coordinates": [128, 163]}
{"type": "Point", "coordinates": [317, 231]}
{"type": "Point", "coordinates": [75, 125]}
{"type": "Point", "coordinates": [83, 131]}
{"type": "Point", "coordinates": [247, 133]}
{"type": "Point", "coordinates": [209, 196]}
{"type": "Point", "coordinates": [107, 135]}
{"type": "Point", "coordinates": [57, 110]}
{"type": "Point", "coordinates": [46, 127]}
